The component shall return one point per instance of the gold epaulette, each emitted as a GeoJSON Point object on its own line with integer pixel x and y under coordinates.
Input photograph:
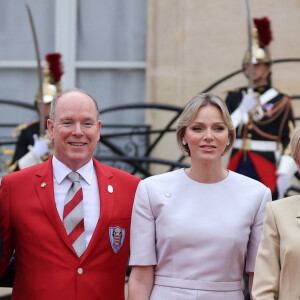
{"type": "Point", "coordinates": [7, 163]}
{"type": "Point", "coordinates": [7, 151]}
{"type": "Point", "coordinates": [12, 168]}
{"type": "Point", "coordinates": [17, 131]}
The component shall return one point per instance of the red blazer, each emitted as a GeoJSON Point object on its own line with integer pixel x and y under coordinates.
{"type": "Point", "coordinates": [46, 264]}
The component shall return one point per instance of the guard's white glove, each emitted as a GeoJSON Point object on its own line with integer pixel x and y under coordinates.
{"type": "Point", "coordinates": [248, 102]}
{"type": "Point", "coordinates": [40, 147]}
{"type": "Point", "coordinates": [283, 183]}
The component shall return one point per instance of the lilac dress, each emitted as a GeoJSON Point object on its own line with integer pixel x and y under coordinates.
{"type": "Point", "coordinates": [197, 235]}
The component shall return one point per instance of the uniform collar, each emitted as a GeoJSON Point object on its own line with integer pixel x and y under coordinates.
{"type": "Point", "coordinates": [262, 89]}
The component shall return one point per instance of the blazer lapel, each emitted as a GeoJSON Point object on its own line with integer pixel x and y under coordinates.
{"type": "Point", "coordinates": [107, 191]}
{"type": "Point", "coordinates": [45, 191]}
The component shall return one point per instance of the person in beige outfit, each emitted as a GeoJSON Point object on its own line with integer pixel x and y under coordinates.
{"type": "Point", "coordinates": [277, 266]}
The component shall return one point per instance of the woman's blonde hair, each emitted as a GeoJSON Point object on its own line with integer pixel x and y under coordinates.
{"type": "Point", "coordinates": [190, 111]}
{"type": "Point", "coordinates": [295, 145]}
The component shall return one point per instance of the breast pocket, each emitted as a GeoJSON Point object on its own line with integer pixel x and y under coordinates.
{"type": "Point", "coordinates": [119, 234]}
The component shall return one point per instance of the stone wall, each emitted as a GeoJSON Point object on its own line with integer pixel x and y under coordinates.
{"type": "Point", "coordinates": [193, 43]}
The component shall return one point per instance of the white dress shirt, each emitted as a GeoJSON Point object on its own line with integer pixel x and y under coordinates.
{"type": "Point", "coordinates": [90, 190]}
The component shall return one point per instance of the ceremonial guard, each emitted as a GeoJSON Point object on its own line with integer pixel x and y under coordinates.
{"type": "Point", "coordinates": [263, 117]}
{"type": "Point", "coordinates": [33, 146]}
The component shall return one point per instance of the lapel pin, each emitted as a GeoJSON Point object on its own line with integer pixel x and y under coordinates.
{"type": "Point", "coordinates": [43, 184]}
{"type": "Point", "coordinates": [110, 188]}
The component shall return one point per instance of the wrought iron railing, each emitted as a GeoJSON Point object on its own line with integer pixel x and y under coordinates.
{"type": "Point", "coordinates": [131, 146]}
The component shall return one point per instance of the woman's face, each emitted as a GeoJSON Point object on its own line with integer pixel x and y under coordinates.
{"type": "Point", "coordinates": [207, 135]}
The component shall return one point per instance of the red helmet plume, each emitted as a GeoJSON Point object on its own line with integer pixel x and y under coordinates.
{"type": "Point", "coordinates": [55, 65]}
{"type": "Point", "coordinates": [263, 26]}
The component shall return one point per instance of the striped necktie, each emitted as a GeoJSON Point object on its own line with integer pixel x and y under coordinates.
{"type": "Point", "coordinates": [73, 214]}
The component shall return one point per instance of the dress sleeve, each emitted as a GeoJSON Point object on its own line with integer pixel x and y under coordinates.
{"type": "Point", "coordinates": [256, 231]}
{"type": "Point", "coordinates": [267, 267]}
{"type": "Point", "coordinates": [142, 233]}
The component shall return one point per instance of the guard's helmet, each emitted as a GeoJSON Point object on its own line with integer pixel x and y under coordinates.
{"type": "Point", "coordinates": [52, 73]}
{"type": "Point", "coordinates": [261, 38]}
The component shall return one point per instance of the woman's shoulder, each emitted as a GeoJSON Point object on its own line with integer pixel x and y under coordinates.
{"type": "Point", "coordinates": [164, 177]}
{"type": "Point", "coordinates": [286, 202]}
{"type": "Point", "coordinates": [244, 181]}
{"type": "Point", "coordinates": [284, 209]}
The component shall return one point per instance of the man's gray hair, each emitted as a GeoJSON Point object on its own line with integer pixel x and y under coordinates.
{"type": "Point", "coordinates": [55, 100]}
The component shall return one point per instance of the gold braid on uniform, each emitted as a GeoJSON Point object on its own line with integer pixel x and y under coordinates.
{"type": "Point", "coordinates": [17, 131]}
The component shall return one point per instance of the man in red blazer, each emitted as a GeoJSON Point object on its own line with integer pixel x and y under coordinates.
{"type": "Point", "coordinates": [32, 217]}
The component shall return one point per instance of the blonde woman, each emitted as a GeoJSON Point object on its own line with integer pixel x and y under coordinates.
{"type": "Point", "coordinates": [278, 260]}
{"type": "Point", "coordinates": [193, 228]}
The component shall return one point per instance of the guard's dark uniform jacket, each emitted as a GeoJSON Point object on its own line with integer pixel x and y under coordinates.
{"type": "Point", "coordinates": [24, 140]}
{"type": "Point", "coordinates": [260, 145]}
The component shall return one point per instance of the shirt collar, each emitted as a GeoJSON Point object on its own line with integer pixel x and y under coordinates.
{"type": "Point", "coordinates": [60, 171]}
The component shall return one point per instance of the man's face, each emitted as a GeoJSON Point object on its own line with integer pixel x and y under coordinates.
{"type": "Point", "coordinates": [75, 130]}
{"type": "Point", "coordinates": [260, 71]}
{"type": "Point", "coordinates": [44, 108]}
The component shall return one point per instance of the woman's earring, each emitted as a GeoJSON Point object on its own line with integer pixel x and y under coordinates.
{"type": "Point", "coordinates": [183, 142]}
{"type": "Point", "coordinates": [228, 143]}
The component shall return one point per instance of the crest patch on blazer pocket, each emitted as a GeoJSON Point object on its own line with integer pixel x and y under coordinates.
{"type": "Point", "coordinates": [116, 237]}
